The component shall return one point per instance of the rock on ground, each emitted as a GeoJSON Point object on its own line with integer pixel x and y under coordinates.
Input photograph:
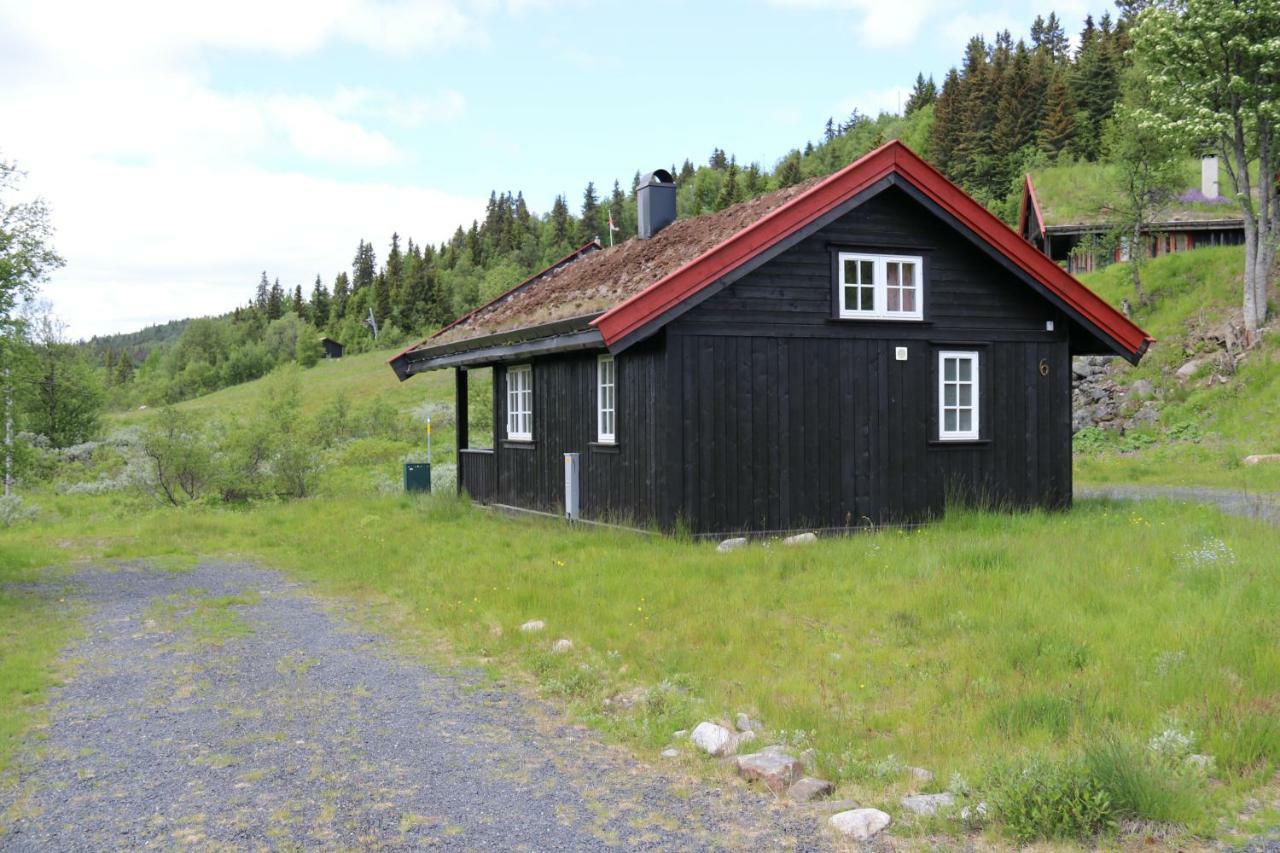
{"type": "Point", "coordinates": [920, 776]}
{"type": "Point", "coordinates": [773, 767]}
{"type": "Point", "coordinates": [713, 739]}
{"type": "Point", "coordinates": [1259, 458]}
{"type": "Point", "coordinates": [808, 788]}
{"type": "Point", "coordinates": [800, 539]}
{"type": "Point", "coordinates": [744, 723]}
{"type": "Point", "coordinates": [927, 804]}
{"type": "Point", "coordinates": [533, 625]}
{"type": "Point", "coordinates": [562, 645]}
{"type": "Point", "coordinates": [860, 824]}
{"type": "Point", "coordinates": [731, 544]}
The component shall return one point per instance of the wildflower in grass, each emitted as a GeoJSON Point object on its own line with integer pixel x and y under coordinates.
{"type": "Point", "coordinates": [1173, 742]}
{"type": "Point", "coordinates": [1209, 553]}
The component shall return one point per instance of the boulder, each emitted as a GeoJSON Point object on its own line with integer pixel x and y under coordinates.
{"type": "Point", "coordinates": [1142, 388]}
{"type": "Point", "coordinates": [1260, 458]}
{"type": "Point", "coordinates": [800, 539]}
{"type": "Point", "coordinates": [926, 805]}
{"type": "Point", "coordinates": [1188, 370]}
{"type": "Point", "coordinates": [743, 723]}
{"type": "Point", "coordinates": [860, 824]}
{"type": "Point", "coordinates": [919, 775]}
{"type": "Point", "coordinates": [533, 625]}
{"type": "Point", "coordinates": [731, 545]}
{"type": "Point", "coordinates": [562, 645]}
{"type": "Point", "coordinates": [774, 767]}
{"type": "Point", "coordinates": [714, 739]}
{"type": "Point", "coordinates": [808, 788]}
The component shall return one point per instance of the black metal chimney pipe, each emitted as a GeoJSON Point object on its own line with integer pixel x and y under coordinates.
{"type": "Point", "coordinates": [655, 202]}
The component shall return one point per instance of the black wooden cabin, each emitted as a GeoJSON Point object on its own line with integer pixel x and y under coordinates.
{"type": "Point", "coordinates": [852, 351]}
{"type": "Point", "coordinates": [332, 348]}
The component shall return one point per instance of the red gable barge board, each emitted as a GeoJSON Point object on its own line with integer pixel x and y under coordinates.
{"type": "Point", "coordinates": [893, 158]}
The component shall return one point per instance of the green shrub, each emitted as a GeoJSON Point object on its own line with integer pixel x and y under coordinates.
{"type": "Point", "coordinates": [1056, 801]}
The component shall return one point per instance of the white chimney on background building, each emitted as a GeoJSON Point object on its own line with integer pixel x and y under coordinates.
{"type": "Point", "coordinates": [1209, 177]}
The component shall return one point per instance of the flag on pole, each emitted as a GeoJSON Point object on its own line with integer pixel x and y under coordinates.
{"type": "Point", "coordinates": [612, 228]}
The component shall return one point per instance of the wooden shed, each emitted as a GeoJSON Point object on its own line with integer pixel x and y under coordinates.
{"type": "Point", "coordinates": [332, 348]}
{"type": "Point", "coordinates": [855, 350]}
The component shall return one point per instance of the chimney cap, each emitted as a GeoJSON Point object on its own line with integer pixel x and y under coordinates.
{"type": "Point", "coordinates": [656, 178]}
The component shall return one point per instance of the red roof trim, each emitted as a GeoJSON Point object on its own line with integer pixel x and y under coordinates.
{"type": "Point", "coordinates": [572, 256]}
{"type": "Point", "coordinates": [1029, 192]}
{"type": "Point", "coordinates": [893, 158]}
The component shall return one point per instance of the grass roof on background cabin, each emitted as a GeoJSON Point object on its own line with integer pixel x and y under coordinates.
{"type": "Point", "coordinates": [1088, 193]}
{"type": "Point", "coordinates": [598, 281]}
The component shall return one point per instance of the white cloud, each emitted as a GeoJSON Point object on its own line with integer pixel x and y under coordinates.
{"type": "Point", "coordinates": [880, 25]}
{"type": "Point", "coordinates": [159, 183]}
{"type": "Point", "coordinates": [155, 243]}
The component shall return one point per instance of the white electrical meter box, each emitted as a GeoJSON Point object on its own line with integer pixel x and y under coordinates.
{"type": "Point", "coordinates": [571, 485]}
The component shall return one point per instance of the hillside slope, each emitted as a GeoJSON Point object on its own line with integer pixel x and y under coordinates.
{"type": "Point", "coordinates": [1222, 408]}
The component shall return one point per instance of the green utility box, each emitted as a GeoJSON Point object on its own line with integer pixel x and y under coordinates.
{"type": "Point", "coordinates": [417, 476]}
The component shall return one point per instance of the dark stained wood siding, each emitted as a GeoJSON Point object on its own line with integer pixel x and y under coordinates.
{"type": "Point", "coordinates": [791, 419]}
{"type": "Point", "coordinates": [618, 482]}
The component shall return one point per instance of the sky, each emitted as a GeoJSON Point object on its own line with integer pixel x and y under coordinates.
{"type": "Point", "coordinates": [186, 147]}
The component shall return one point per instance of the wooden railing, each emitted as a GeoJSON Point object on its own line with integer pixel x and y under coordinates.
{"type": "Point", "coordinates": [478, 473]}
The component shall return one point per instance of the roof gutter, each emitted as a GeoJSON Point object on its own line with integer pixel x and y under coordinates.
{"type": "Point", "coordinates": [558, 336]}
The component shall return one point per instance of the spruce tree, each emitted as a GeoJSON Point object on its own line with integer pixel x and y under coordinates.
{"type": "Point", "coordinates": [730, 193]}
{"type": "Point", "coordinates": [319, 304]}
{"type": "Point", "coordinates": [686, 173]}
{"type": "Point", "coordinates": [560, 224]}
{"type": "Point", "coordinates": [788, 173]}
{"type": "Point", "coordinates": [1058, 127]}
{"type": "Point", "coordinates": [923, 94]}
{"type": "Point", "coordinates": [719, 160]}
{"type": "Point", "coordinates": [264, 291]}
{"type": "Point", "coordinates": [275, 301]}
{"type": "Point", "coordinates": [381, 302]}
{"type": "Point", "coordinates": [341, 294]}
{"type": "Point", "coordinates": [590, 222]}
{"type": "Point", "coordinates": [363, 267]}
{"type": "Point", "coordinates": [617, 210]}
{"type": "Point", "coordinates": [394, 270]}
{"type": "Point", "coordinates": [1020, 105]}
{"type": "Point", "coordinates": [299, 303]}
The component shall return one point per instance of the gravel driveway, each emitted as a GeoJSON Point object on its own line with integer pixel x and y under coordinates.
{"type": "Point", "coordinates": [225, 707]}
{"type": "Point", "coordinates": [1263, 506]}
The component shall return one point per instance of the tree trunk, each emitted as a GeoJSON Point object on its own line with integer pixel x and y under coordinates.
{"type": "Point", "coordinates": [1136, 249]}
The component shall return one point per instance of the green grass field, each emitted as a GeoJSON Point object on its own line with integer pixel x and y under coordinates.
{"type": "Point", "coordinates": [983, 637]}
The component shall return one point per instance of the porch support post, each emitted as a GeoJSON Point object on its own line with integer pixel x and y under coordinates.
{"type": "Point", "coordinates": [460, 418]}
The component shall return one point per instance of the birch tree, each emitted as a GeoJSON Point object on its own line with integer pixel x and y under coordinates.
{"type": "Point", "coordinates": [26, 257]}
{"type": "Point", "coordinates": [1215, 86]}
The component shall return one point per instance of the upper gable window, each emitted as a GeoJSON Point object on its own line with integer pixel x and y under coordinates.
{"type": "Point", "coordinates": [881, 287]}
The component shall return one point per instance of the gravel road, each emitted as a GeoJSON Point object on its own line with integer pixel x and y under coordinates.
{"type": "Point", "coordinates": [226, 707]}
{"type": "Point", "coordinates": [1263, 506]}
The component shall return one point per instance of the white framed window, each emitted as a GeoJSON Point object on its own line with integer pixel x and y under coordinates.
{"type": "Point", "coordinates": [520, 402]}
{"type": "Point", "coordinates": [957, 396]}
{"type": "Point", "coordinates": [881, 287]}
{"type": "Point", "coordinates": [606, 400]}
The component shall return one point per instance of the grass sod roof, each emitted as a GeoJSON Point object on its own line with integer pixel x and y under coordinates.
{"type": "Point", "coordinates": [598, 281]}
{"type": "Point", "coordinates": [1088, 194]}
